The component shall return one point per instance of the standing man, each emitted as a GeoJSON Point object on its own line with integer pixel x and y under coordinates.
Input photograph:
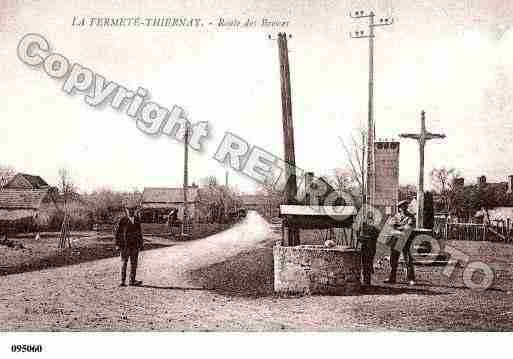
{"type": "Point", "coordinates": [129, 242]}
{"type": "Point", "coordinates": [403, 228]}
{"type": "Point", "coordinates": [368, 238]}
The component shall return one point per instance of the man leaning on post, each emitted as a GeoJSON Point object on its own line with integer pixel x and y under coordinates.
{"type": "Point", "coordinates": [129, 242]}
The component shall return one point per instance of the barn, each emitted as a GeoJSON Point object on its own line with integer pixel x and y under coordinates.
{"type": "Point", "coordinates": [25, 203]}
{"type": "Point", "coordinates": [158, 202]}
{"type": "Point", "coordinates": [23, 210]}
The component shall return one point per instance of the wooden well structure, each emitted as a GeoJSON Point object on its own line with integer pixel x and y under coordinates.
{"type": "Point", "coordinates": [309, 269]}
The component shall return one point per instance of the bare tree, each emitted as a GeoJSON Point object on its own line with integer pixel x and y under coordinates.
{"type": "Point", "coordinates": [342, 180]}
{"type": "Point", "coordinates": [6, 174]}
{"type": "Point", "coordinates": [356, 155]}
{"type": "Point", "coordinates": [443, 182]}
{"type": "Point", "coordinates": [219, 201]}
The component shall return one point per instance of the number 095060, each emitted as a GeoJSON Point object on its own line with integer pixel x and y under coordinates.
{"type": "Point", "coordinates": [26, 348]}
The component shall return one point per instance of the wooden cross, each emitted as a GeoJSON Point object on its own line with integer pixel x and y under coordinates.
{"type": "Point", "coordinates": [421, 138]}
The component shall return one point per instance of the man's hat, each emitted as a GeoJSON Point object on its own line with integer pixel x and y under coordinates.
{"type": "Point", "coordinates": [403, 204]}
{"type": "Point", "coordinates": [131, 205]}
{"type": "Point", "coordinates": [131, 202]}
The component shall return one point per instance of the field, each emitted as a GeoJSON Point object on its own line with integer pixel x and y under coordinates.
{"type": "Point", "coordinates": [86, 246]}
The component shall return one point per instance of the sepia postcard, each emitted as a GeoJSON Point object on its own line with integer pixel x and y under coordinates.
{"type": "Point", "coordinates": [270, 166]}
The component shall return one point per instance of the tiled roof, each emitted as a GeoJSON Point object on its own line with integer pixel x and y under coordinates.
{"type": "Point", "coordinates": [35, 181]}
{"type": "Point", "coordinates": [22, 198]}
{"type": "Point", "coordinates": [169, 195]}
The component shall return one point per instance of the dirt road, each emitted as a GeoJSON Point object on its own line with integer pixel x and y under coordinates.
{"type": "Point", "coordinates": [224, 282]}
{"type": "Point", "coordinates": [87, 295]}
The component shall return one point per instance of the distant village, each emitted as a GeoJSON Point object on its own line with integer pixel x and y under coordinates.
{"type": "Point", "coordinates": [28, 203]}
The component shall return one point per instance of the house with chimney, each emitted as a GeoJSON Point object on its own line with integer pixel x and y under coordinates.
{"type": "Point", "coordinates": [484, 198]}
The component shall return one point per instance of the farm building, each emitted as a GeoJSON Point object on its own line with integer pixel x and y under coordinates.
{"type": "Point", "coordinates": [28, 203]}
{"type": "Point", "coordinates": [24, 209]}
{"type": "Point", "coordinates": [158, 202]}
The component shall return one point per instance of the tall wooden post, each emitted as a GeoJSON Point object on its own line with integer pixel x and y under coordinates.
{"type": "Point", "coordinates": [291, 236]}
{"type": "Point", "coordinates": [185, 177]}
{"type": "Point", "coordinates": [369, 195]}
{"type": "Point", "coordinates": [420, 187]}
{"type": "Point", "coordinates": [421, 138]}
{"type": "Point", "coordinates": [369, 183]}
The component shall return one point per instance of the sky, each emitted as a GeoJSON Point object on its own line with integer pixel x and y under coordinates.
{"type": "Point", "coordinates": [453, 59]}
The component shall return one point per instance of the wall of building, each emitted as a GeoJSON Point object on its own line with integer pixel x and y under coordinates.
{"type": "Point", "coordinates": [387, 176]}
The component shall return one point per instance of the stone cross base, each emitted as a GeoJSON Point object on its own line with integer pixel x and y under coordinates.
{"type": "Point", "coordinates": [309, 269]}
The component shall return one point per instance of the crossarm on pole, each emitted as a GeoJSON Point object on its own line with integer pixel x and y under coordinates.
{"type": "Point", "coordinates": [410, 135]}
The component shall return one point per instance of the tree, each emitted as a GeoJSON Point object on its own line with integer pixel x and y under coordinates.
{"type": "Point", "coordinates": [6, 174]}
{"type": "Point", "coordinates": [342, 180]}
{"type": "Point", "coordinates": [443, 181]}
{"type": "Point", "coordinates": [356, 155]}
{"type": "Point", "coordinates": [105, 204]}
{"type": "Point", "coordinates": [274, 198]}
{"type": "Point", "coordinates": [483, 198]}
{"type": "Point", "coordinates": [218, 201]}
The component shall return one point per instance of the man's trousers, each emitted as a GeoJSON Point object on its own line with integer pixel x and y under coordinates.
{"type": "Point", "coordinates": [133, 255]}
{"type": "Point", "coordinates": [408, 260]}
{"type": "Point", "coordinates": [368, 253]}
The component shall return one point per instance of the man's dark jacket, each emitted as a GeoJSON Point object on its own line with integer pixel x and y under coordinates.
{"type": "Point", "coordinates": [128, 235]}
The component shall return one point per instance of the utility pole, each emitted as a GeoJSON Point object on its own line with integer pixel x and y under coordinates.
{"type": "Point", "coordinates": [371, 126]}
{"type": "Point", "coordinates": [291, 235]}
{"type": "Point", "coordinates": [185, 178]}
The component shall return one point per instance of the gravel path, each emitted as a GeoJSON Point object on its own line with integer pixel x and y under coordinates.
{"type": "Point", "coordinates": [87, 295]}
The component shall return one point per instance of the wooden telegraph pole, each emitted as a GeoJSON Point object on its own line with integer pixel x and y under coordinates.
{"type": "Point", "coordinates": [371, 126]}
{"type": "Point", "coordinates": [291, 235]}
{"type": "Point", "coordinates": [185, 178]}
{"type": "Point", "coordinates": [421, 138]}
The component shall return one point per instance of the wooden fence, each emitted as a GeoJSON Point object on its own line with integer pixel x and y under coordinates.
{"type": "Point", "coordinates": [497, 231]}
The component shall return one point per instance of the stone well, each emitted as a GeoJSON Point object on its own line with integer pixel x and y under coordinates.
{"type": "Point", "coordinates": [311, 269]}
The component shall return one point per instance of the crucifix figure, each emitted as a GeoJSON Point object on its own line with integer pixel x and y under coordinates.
{"type": "Point", "coordinates": [421, 138]}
